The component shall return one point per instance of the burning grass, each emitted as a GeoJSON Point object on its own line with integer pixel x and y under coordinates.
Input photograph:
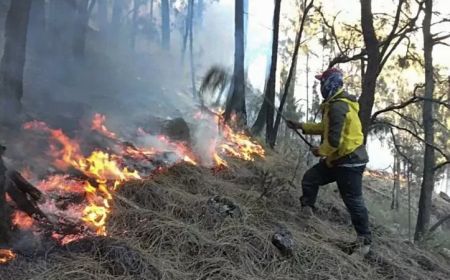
{"type": "Point", "coordinates": [185, 220]}
{"type": "Point", "coordinates": [165, 232]}
{"type": "Point", "coordinates": [82, 189]}
{"type": "Point", "coordinates": [240, 248]}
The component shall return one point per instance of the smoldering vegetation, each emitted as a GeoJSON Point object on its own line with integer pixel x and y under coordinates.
{"type": "Point", "coordinates": [175, 227]}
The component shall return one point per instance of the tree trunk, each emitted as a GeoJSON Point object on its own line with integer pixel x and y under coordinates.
{"type": "Point", "coordinates": [426, 192]}
{"type": "Point", "coordinates": [200, 8]}
{"type": "Point", "coordinates": [396, 187]}
{"type": "Point", "coordinates": [151, 9]}
{"type": "Point", "coordinates": [116, 17]}
{"type": "Point", "coordinates": [447, 177]}
{"type": "Point", "coordinates": [237, 101]}
{"type": "Point", "coordinates": [261, 117]}
{"type": "Point", "coordinates": [371, 42]}
{"type": "Point", "coordinates": [102, 14]}
{"type": "Point", "coordinates": [136, 5]}
{"type": "Point", "coordinates": [165, 16]}
{"type": "Point", "coordinates": [187, 30]}
{"type": "Point", "coordinates": [308, 109]}
{"type": "Point", "coordinates": [4, 219]}
{"type": "Point", "coordinates": [37, 35]}
{"type": "Point", "coordinates": [81, 27]}
{"type": "Point", "coordinates": [13, 61]}
{"type": "Point", "coordinates": [266, 113]}
{"type": "Point", "coordinates": [191, 50]}
{"type": "Point", "coordinates": [291, 75]}
{"type": "Point", "coordinates": [408, 178]}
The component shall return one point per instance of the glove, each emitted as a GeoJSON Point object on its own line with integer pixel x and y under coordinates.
{"type": "Point", "coordinates": [315, 151]}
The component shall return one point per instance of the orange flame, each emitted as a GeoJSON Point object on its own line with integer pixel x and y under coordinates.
{"type": "Point", "coordinates": [106, 172]}
{"type": "Point", "coordinates": [100, 166]}
{"type": "Point", "coordinates": [22, 221]}
{"type": "Point", "coordinates": [6, 256]}
{"type": "Point", "coordinates": [98, 124]}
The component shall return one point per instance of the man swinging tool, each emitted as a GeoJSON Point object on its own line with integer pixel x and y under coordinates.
{"type": "Point", "coordinates": [342, 151]}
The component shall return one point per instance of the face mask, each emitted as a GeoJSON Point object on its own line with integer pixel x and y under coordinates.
{"type": "Point", "coordinates": [323, 91]}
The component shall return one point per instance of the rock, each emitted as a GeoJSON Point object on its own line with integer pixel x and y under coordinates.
{"type": "Point", "coordinates": [283, 240]}
{"type": "Point", "coordinates": [217, 209]}
{"type": "Point", "coordinates": [224, 206]}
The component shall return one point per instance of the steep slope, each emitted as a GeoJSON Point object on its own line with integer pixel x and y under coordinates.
{"type": "Point", "coordinates": [196, 223]}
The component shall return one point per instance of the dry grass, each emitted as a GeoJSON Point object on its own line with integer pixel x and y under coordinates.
{"type": "Point", "coordinates": [163, 229]}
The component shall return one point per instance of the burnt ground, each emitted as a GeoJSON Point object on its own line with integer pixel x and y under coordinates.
{"type": "Point", "coordinates": [196, 223]}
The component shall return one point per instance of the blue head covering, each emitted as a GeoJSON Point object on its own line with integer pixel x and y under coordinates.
{"type": "Point", "coordinates": [330, 82]}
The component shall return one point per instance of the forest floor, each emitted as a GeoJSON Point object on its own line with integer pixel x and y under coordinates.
{"type": "Point", "coordinates": [192, 222]}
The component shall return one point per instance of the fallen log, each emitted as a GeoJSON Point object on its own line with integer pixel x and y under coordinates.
{"type": "Point", "coordinates": [24, 186]}
{"type": "Point", "coordinates": [23, 202]}
{"type": "Point", "coordinates": [24, 194]}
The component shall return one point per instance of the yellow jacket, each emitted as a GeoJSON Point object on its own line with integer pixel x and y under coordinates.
{"type": "Point", "coordinates": [341, 130]}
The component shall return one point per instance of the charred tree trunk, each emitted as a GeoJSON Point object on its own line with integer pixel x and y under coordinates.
{"type": "Point", "coordinates": [396, 186]}
{"type": "Point", "coordinates": [237, 101]}
{"type": "Point", "coordinates": [151, 9]}
{"type": "Point", "coordinates": [116, 19]}
{"type": "Point", "coordinates": [426, 192]}
{"type": "Point", "coordinates": [102, 6]}
{"type": "Point", "coordinates": [116, 13]}
{"type": "Point", "coordinates": [447, 189]}
{"type": "Point", "coordinates": [165, 16]}
{"type": "Point", "coordinates": [4, 219]}
{"type": "Point", "coordinates": [261, 117]}
{"type": "Point", "coordinates": [191, 48]}
{"type": "Point", "coordinates": [134, 27]}
{"type": "Point", "coordinates": [13, 61]}
{"type": "Point", "coordinates": [187, 30]}
{"type": "Point", "coordinates": [266, 114]}
{"type": "Point", "coordinates": [81, 26]}
{"type": "Point", "coordinates": [200, 8]}
{"type": "Point", "coordinates": [37, 35]}
{"type": "Point", "coordinates": [369, 79]}
{"type": "Point", "coordinates": [408, 181]}
{"type": "Point", "coordinates": [291, 76]}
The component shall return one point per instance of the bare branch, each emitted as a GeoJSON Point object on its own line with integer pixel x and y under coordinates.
{"type": "Point", "coordinates": [396, 33]}
{"type": "Point", "coordinates": [343, 58]}
{"type": "Point", "coordinates": [440, 165]}
{"type": "Point", "coordinates": [397, 147]}
{"type": "Point", "coordinates": [445, 103]}
{"type": "Point", "coordinates": [443, 43]}
{"type": "Point", "coordinates": [332, 29]}
{"type": "Point", "coordinates": [392, 107]}
{"type": "Point", "coordinates": [441, 38]}
{"type": "Point", "coordinates": [439, 150]}
{"type": "Point", "coordinates": [394, 27]}
{"type": "Point", "coordinates": [412, 121]}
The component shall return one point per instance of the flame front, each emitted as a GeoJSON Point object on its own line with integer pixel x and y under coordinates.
{"type": "Point", "coordinates": [95, 177]}
{"type": "Point", "coordinates": [6, 256]}
{"type": "Point", "coordinates": [22, 220]}
{"type": "Point", "coordinates": [102, 167]}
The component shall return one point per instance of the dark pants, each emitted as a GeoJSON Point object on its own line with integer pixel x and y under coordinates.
{"type": "Point", "coordinates": [349, 181]}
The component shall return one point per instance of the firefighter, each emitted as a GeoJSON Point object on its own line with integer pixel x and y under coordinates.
{"type": "Point", "coordinates": [342, 152]}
